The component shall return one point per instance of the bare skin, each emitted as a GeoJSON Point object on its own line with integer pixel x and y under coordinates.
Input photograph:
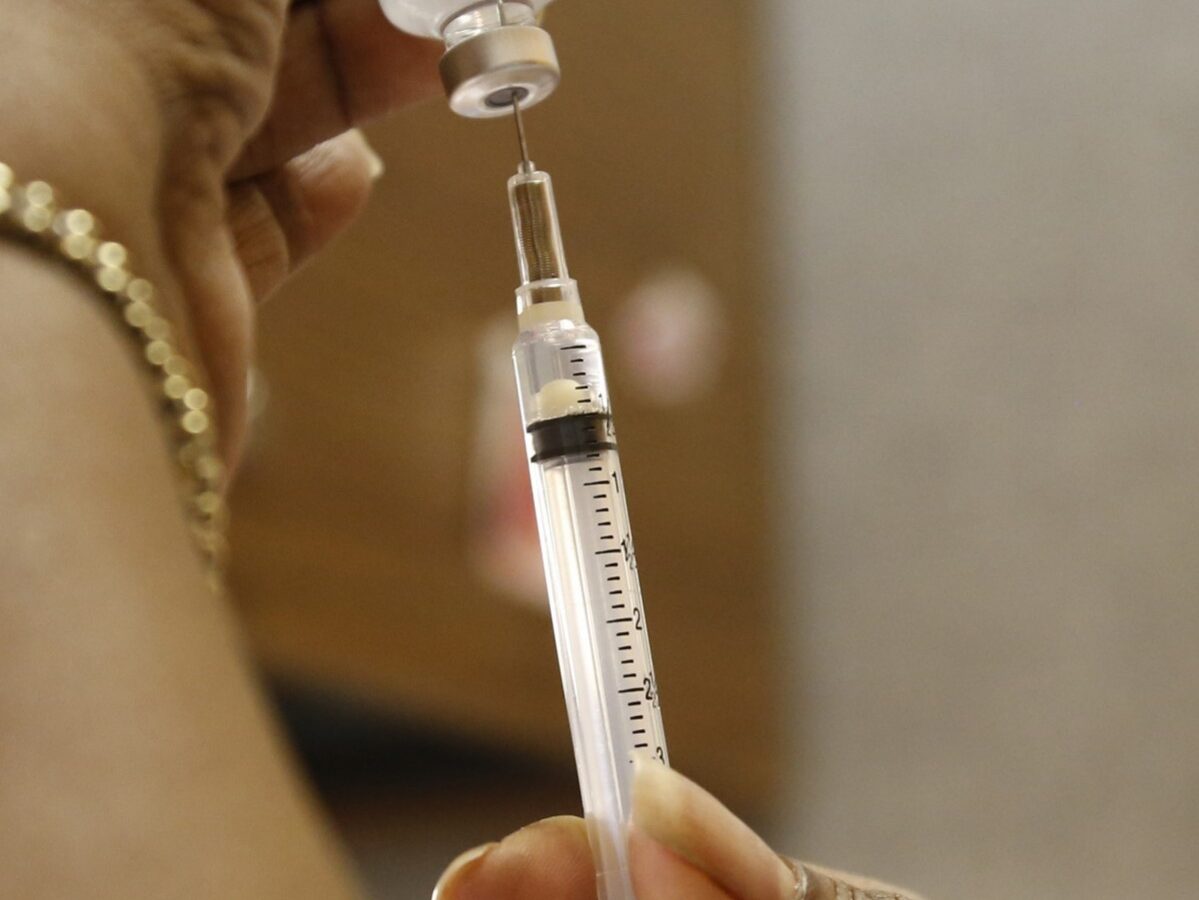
{"type": "Point", "coordinates": [138, 757]}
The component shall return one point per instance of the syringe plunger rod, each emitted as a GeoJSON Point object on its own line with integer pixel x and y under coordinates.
{"type": "Point", "coordinates": [535, 221]}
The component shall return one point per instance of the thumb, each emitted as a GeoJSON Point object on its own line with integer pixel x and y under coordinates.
{"type": "Point", "coordinates": [676, 814]}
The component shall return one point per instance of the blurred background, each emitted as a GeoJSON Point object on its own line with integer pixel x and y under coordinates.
{"type": "Point", "coordinates": [917, 281]}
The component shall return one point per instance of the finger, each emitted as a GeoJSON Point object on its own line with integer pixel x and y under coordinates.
{"type": "Point", "coordinates": [548, 859]}
{"type": "Point", "coordinates": [692, 823]}
{"type": "Point", "coordinates": [280, 219]}
{"type": "Point", "coordinates": [342, 64]}
{"type": "Point", "coordinates": [660, 874]}
{"type": "Point", "coordinates": [220, 303]}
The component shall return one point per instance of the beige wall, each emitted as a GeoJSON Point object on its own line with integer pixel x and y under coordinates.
{"type": "Point", "coordinates": [989, 225]}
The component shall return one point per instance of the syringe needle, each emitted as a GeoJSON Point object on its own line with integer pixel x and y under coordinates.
{"type": "Point", "coordinates": [525, 164]}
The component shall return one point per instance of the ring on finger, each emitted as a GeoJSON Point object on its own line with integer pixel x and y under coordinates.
{"type": "Point", "coordinates": [801, 878]}
{"type": "Point", "coordinates": [849, 892]}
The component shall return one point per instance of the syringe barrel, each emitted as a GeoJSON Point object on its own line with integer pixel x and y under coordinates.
{"type": "Point", "coordinates": [591, 576]}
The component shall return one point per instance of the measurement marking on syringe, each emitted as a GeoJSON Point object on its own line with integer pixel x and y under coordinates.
{"type": "Point", "coordinates": [587, 436]}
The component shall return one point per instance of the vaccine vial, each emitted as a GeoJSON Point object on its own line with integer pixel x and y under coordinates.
{"type": "Point", "coordinates": [496, 52]}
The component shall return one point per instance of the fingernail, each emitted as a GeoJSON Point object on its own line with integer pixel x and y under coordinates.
{"type": "Point", "coordinates": [376, 163]}
{"type": "Point", "coordinates": [374, 160]}
{"type": "Point", "coordinates": [377, 168]}
{"type": "Point", "coordinates": [455, 869]}
{"type": "Point", "coordinates": [658, 794]}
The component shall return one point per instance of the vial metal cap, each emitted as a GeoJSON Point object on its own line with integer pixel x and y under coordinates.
{"type": "Point", "coordinates": [485, 73]}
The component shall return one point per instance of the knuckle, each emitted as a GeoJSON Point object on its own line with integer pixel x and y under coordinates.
{"type": "Point", "coordinates": [219, 57]}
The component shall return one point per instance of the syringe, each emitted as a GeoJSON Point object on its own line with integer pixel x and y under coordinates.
{"type": "Point", "coordinates": [586, 544]}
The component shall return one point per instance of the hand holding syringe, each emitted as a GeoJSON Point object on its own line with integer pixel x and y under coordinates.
{"type": "Point", "coordinates": [586, 542]}
{"type": "Point", "coordinates": [682, 842]}
{"type": "Point", "coordinates": [669, 838]}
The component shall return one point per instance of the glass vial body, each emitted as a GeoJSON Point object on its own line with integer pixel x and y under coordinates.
{"type": "Point", "coordinates": [496, 53]}
{"type": "Point", "coordinates": [454, 20]}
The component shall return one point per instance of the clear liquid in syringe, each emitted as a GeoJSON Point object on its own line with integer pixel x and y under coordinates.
{"type": "Point", "coordinates": [579, 468]}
